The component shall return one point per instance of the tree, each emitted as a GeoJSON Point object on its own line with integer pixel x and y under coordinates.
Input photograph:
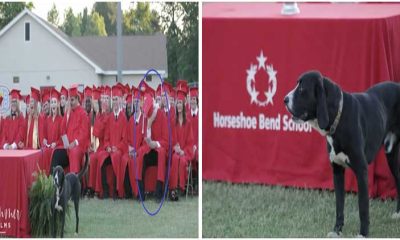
{"type": "Point", "coordinates": [71, 25]}
{"type": "Point", "coordinates": [141, 20]}
{"type": "Point", "coordinates": [189, 41]}
{"type": "Point", "coordinates": [52, 15]}
{"type": "Point", "coordinates": [85, 21]}
{"type": "Point", "coordinates": [109, 12]}
{"type": "Point", "coordinates": [96, 26]}
{"type": "Point", "coordinates": [180, 25]}
{"type": "Point", "coordinates": [9, 10]}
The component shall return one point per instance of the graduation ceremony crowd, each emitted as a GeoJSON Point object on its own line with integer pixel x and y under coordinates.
{"type": "Point", "coordinates": [123, 129]}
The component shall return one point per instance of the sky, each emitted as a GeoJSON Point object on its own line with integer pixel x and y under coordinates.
{"type": "Point", "coordinates": [42, 7]}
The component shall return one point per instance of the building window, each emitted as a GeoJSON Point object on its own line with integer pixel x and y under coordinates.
{"type": "Point", "coordinates": [149, 78]}
{"type": "Point", "coordinates": [15, 79]}
{"type": "Point", "coordinates": [27, 32]}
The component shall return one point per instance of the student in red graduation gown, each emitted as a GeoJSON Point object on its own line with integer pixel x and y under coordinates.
{"type": "Point", "coordinates": [75, 127]}
{"type": "Point", "coordinates": [135, 129]}
{"type": "Point", "coordinates": [156, 142]}
{"type": "Point", "coordinates": [52, 137]}
{"type": "Point", "coordinates": [14, 136]}
{"type": "Point", "coordinates": [115, 143]}
{"type": "Point", "coordinates": [193, 116]}
{"type": "Point", "coordinates": [182, 147]}
{"type": "Point", "coordinates": [101, 108]}
{"type": "Point", "coordinates": [164, 105]}
{"type": "Point", "coordinates": [32, 122]}
{"type": "Point", "coordinates": [43, 116]}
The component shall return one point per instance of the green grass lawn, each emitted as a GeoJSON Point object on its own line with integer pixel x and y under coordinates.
{"type": "Point", "coordinates": [126, 218]}
{"type": "Point", "coordinates": [244, 210]}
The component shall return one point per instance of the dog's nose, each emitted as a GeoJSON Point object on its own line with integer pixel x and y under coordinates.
{"type": "Point", "coordinates": [286, 100]}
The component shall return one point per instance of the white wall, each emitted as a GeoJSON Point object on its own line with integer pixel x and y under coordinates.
{"type": "Point", "coordinates": [44, 55]}
{"type": "Point", "coordinates": [131, 80]}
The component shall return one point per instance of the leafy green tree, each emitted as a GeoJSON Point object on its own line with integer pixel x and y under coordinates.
{"type": "Point", "coordinates": [71, 25]}
{"type": "Point", "coordinates": [52, 15]}
{"type": "Point", "coordinates": [9, 10]}
{"type": "Point", "coordinates": [85, 21]}
{"type": "Point", "coordinates": [96, 26]}
{"type": "Point", "coordinates": [141, 20]}
{"type": "Point", "coordinates": [180, 25]}
{"type": "Point", "coordinates": [109, 12]}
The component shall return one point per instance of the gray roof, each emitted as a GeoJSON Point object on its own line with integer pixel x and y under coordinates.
{"type": "Point", "coordinates": [139, 52]}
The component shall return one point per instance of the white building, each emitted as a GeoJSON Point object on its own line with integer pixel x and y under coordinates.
{"type": "Point", "coordinates": [35, 53]}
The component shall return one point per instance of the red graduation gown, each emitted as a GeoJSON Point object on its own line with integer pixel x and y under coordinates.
{"type": "Point", "coordinates": [184, 136]}
{"type": "Point", "coordinates": [114, 136]}
{"type": "Point", "coordinates": [76, 128]}
{"type": "Point", "coordinates": [52, 133]}
{"type": "Point", "coordinates": [159, 132]}
{"type": "Point", "coordinates": [14, 129]}
{"type": "Point", "coordinates": [1, 131]}
{"type": "Point", "coordinates": [139, 146]}
{"type": "Point", "coordinates": [99, 129]}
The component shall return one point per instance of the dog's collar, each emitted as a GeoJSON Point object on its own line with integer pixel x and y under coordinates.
{"type": "Point", "coordinates": [338, 115]}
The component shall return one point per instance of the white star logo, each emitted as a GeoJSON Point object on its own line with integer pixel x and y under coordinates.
{"type": "Point", "coordinates": [261, 60]}
{"type": "Point", "coordinates": [251, 88]}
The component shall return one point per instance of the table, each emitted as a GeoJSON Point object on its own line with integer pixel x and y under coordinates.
{"type": "Point", "coordinates": [252, 57]}
{"type": "Point", "coordinates": [16, 168]}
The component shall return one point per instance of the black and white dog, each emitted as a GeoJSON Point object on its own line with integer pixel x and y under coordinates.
{"type": "Point", "coordinates": [68, 187]}
{"type": "Point", "coordinates": [355, 125]}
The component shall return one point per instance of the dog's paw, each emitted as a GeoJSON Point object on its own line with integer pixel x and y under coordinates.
{"type": "Point", "coordinates": [360, 236]}
{"type": "Point", "coordinates": [334, 234]}
{"type": "Point", "coordinates": [396, 215]}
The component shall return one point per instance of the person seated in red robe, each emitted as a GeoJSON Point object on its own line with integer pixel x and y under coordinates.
{"type": "Point", "coordinates": [75, 134]}
{"type": "Point", "coordinates": [182, 147]}
{"type": "Point", "coordinates": [156, 142]}
{"type": "Point", "coordinates": [14, 136]}
{"type": "Point", "coordinates": [32, 122]}
{"type": "Point", "coordinates": [52, 133]}
{"type": "Point", "coordinates": [193, 115]}
{"type": "Point", "coordinates": [44, 114]}
{"type": "Point", "coordinates": [101, 109]}
{"type": "Point", "coordinates": [136, 147]}
{"type": "Point", "coordinates": [165, 105]}
{"type": "Point", "coordinates": [114, 145]}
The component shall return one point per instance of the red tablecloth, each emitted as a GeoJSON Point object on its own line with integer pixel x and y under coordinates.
{"type": "Point", "coordinates": [356, 45]}
{"type": "Point", "coordinates": [16, 168]}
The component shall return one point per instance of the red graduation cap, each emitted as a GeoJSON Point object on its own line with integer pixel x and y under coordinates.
{"type": "Point", "coordinates": [127, 89]}
{"type": "Point", "coordinates": [35, 94]}
{"type": "Point", "coordinates": [107, 91]}
{"type": "Point", "coordinates": [45, 96]}
{"type": "Point", "coordinates": [148, 105]}
{"type": "Point", "coordinates": [194, 92]}
{"type": "Point", "coordinates": [129, 98]}
{"type": "Point", "coordinates": [64, 91]}
{"type": "Point", "coordinates": [15, 94]}
{"type": "Point", "coordinates": [117, 91]}
{"type": "Point", "coordinates": [87, 92]}
{"type": "Point", "coordinates": [96, 94]}
{"type": "Point", "coordinates": [135, 92]}
{"type": "Point", "coordinates": [73, 92]}
{"type": "Point", "coordinates": [81, 96]}
{"type": "Point", "coordinates": [182, 85]}
{"type": "Point", "coordinates": [180, 95]}
{"type": "Point", "coordinates": [28, 99]}
{"type": "Point", "coordinates": [55, 94]}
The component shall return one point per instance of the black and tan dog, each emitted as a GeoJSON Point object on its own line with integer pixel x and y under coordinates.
{"type": "Point", "coordinates": [67, 187]}
{"type": "Point", "coordinates": [355, 125]}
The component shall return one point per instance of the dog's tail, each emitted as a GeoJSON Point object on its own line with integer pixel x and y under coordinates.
{"type": "Point", "coordinates": [85, 167]}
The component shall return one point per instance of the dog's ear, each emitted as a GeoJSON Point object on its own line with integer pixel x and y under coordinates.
{"type": "Point", "coordinates": [322, 108]}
